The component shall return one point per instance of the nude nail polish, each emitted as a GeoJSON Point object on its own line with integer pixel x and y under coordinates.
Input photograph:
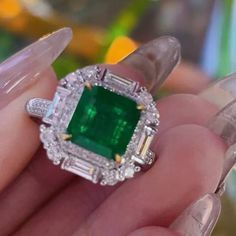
{"type": "Point", "coordinates": [23, 69]}
{"type": "Point", "coordinates": [200, 218]}
{"type": "Point", "coordinates": [155, 60]}
{"type": "Point", "coordinates": [224, 125]}
{"type": "Point", "coordinates": [222, 92]}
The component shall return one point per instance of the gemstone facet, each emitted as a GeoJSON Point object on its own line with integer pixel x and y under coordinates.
{"type": "Point", "coordinates": [103, 122]}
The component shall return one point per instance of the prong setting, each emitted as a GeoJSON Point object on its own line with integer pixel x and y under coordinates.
{"type": "Point", "coordinates": [141, 107]}
{"type": "Point", "coordinates": [66, 137]}
{"type": "Point", "coordinates": [88, 85]}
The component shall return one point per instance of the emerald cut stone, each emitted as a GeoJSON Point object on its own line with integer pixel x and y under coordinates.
{"type": "Point", "coordinates": [103, 122]}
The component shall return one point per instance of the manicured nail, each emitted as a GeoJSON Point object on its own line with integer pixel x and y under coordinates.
{"type": "Point", "coordinates": [155, 59]}
{"type": "Point", "coordinates": [22, 69]}
{"type": "Point", "coordinates": [200, 218]}
{"type": "Point", "coordinates": [224, 125]}
{"type": "Point", "coordinates": [221, 92]}
{"type": "Point", "coordinates": [229, 165]}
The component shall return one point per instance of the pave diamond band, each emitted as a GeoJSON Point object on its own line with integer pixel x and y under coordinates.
{"type": "Point", "coordinates": [38, 107]}
{"type": "Point", "coordinates": [99, 125]}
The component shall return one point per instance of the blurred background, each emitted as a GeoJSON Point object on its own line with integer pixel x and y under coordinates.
{"type": "Point", "coordinates": [108, 30]}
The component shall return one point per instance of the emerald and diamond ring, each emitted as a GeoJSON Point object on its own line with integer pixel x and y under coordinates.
{"type": "Point", "coordinates": [99, 125]}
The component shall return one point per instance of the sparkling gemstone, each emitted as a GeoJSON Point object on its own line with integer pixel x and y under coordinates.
{"type": "Point", "coordinates": [129, 172]}
{"type": "Point", "coordinates": [103, 122]}
{"type": "Point", "coordinates": [52, 108]}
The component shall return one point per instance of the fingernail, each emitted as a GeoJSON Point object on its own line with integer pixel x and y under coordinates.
{"type": "Point", "coordinates": [229, 162]}
{"type": "Point", "coordinates": [22, 69]}
{"type": "Point", "coordinates": [155, 59]}
{"type": "Point", "coordinates": [221, 92]}
{"type": "Point", "coordinates": [224, 125]}
{"type": "Point", "coordinates": [200, 218]}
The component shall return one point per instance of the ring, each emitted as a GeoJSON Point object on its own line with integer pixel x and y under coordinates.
{"type": "Point", "coordinates": [99, 125]}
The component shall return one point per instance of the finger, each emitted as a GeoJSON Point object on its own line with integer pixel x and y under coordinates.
{"type": "Point", "coordinates": [17, 74]}
{"type": "Point", "coordinates": [184, 109]}
{"type": "Point", "coordinates": [189, 165]}
{"type": "Point", "coordinates": [155, 60]}
{"type": "Point", "coordinates": [200, 217]}
{"type": "Point", "coordinates": [40, 185]}
{"type": "Point", "coordinates": [167, 107]}
{"type": "Point", "coordinates": [223, 124]}
{"type": "Point", "coordinates": [39, 181]}
{"type": "Point", "coordinates": [148, 197]}
{"type": "Point", "coordinates": [22, 69]}
{"type": "Point", "coordinates": [67, 210]}
{"type": "Point", "coordinates": [222, 92]}
{"type": "Point", "coordinates": [153, 231]}
{"type": "Point", "coordinates": [17, 149]}
{"type": "Point", "coordinates": [187, 78]}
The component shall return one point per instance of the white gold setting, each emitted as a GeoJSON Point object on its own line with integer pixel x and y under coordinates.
{"type": "Point", "coordinates": [57, 114]}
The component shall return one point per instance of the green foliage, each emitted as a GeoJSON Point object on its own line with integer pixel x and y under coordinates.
{"type": "Point", "coordinates": [65, 64]}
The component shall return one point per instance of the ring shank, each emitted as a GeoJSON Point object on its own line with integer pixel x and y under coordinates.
{"type": "Point", "coordinates": [37, 107]}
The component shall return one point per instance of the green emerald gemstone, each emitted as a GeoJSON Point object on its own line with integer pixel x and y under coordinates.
{"type": "Point", "coordinates": [103, 122]}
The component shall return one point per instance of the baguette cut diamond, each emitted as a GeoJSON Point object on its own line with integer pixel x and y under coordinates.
{"type": "Point", "coordinates": [103, 122]}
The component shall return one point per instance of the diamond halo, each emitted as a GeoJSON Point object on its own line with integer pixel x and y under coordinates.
{"type": "Point", "coordinates": [57, 114]}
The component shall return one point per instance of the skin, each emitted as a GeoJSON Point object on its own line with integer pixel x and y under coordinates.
{"type": "Point", "coordinates": [49, 201]}
{"type": "Point", "coordinates": [192, 79]}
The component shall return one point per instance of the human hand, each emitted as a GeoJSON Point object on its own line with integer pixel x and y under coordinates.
{"type": "Point", "coordinates": [38, 198]}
